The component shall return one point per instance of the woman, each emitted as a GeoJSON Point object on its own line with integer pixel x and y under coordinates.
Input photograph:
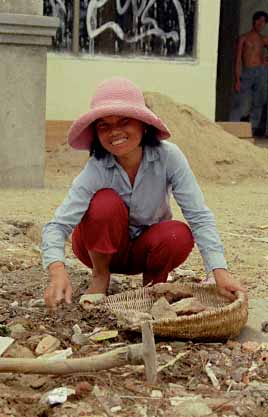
{"type": "Point", "coordinates": [118, 207]}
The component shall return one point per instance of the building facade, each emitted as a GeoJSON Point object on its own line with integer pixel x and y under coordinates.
{"type": "Point", "coordinates": [168, 46]}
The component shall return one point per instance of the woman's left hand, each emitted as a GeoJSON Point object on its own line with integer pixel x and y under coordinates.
{"type": "Point", "coordinates": [226, 285]}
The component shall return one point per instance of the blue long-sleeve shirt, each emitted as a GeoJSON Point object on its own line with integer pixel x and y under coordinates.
{"type": "Point", "coordinates": [163, 170]}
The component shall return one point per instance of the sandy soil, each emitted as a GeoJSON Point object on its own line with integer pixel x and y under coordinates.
{"type": "Point", "coordinates": [240, 209]}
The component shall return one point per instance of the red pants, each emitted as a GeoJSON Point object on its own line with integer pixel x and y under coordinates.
{"type": "Point", "coordinates": [104, 228]}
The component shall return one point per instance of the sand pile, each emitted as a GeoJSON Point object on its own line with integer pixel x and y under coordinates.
{"type": "Point", "coordinates": [212, 153]}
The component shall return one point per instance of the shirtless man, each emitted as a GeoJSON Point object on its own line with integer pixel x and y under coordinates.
{"type": "Point", "coordinates": [251, 73]}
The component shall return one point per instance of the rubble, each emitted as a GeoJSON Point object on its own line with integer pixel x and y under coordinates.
{"type": "Point", "coordinates": [161, 309]}
{"type": "Point", "coordinates": [5, 342]}
{"type": "Point", "coordinates": [47, 345]}
{"type": "Point", "coordinates": [188, 306]}
{"type": "Point", "coordinates": [225, 379]}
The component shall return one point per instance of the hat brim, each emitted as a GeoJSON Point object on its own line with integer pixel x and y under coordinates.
{"type": "Point", "coordinates": [80, 135]}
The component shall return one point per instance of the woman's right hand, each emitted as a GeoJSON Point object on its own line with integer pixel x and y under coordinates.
{"type": "Point", "coordinates": [60, 289]}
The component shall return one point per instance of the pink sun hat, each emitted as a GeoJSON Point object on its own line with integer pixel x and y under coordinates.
{"type": "Point", "coordinates": [114, 97]}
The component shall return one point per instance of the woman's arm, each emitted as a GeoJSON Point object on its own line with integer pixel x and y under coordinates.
{"type": "Point", "coordinates": [201, 220]}
{"type": "Point", "coordinates": [56, 232]}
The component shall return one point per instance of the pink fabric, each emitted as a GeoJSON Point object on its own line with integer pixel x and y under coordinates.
{"type": "Point", "coordinates": [104, 228]}
{"type": "Point", "coordinates": [114, 97]}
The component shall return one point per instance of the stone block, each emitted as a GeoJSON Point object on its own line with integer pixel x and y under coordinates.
{"type": "Point", "coordinates": [22, 120]}
{"type": "Point", "coordinates": [27, 29]}
{"type": "Point", "coordinates": [34, 7]}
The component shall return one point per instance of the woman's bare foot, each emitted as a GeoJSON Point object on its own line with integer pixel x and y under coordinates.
{"type": "Point", "coordinates": [100, 284]}
{"type": "Point", "coordinates": [100, 273]}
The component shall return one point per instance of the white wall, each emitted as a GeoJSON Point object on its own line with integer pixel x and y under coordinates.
{"type": "Point", "coordinates": [71, 81]}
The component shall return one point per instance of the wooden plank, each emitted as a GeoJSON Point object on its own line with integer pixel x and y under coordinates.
{"type": "Point", "coordinates": [239, 129]}
{"type": "Point", "coordinates": [56, 133]}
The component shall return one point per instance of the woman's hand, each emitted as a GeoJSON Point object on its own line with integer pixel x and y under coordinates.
{"type": "Point", "coordinates": [60, 289]}
{"type": "Point", "coordinates": [226, 285]}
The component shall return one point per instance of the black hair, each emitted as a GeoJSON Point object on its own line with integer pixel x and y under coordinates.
{"type": "Point", "coordinates": [149, 139]}
{"type": "Point", "coordinates": [258, 15]}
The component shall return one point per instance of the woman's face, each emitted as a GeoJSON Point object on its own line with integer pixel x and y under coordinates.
{"type": "Point", "coordinates": [120, 135]}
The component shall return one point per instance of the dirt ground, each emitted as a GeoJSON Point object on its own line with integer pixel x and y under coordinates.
{"type": "Point", "coordinates": [240, 207]}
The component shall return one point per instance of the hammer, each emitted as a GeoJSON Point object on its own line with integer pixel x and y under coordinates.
{"type": "Point", "coordinates": [136, 354]}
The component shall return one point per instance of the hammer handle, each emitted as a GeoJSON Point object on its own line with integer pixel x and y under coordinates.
{"type": "Point", "coordinates": [131, 354]}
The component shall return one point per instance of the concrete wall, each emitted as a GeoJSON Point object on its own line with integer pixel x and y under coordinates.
{"type": "Point", "coordinates": [22, 6]}
{"type": "Point", "coordinates": [71, 81]}
{"type": "Point", "coordinates": [24, 37]}
{"type": "Point", "coordinates": [22, 119]}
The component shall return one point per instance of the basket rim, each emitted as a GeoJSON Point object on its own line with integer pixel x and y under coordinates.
{"type": "Point", "coordinates": [213, 313]}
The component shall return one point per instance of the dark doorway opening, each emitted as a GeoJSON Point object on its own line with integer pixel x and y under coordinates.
{"type": "Point", "coordinates": [228, 33]}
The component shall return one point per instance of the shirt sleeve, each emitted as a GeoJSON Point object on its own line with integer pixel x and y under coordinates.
{"type": "Point", "coordinates": [69, 213]}
{"type": "Point", "coordinates": [190, 199]}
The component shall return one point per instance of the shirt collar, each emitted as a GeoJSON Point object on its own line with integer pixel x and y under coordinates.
{"type": "Point", "coordinates": [150, 154]}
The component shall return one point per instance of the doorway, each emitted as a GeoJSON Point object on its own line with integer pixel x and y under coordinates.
{"type": "Point", "coordinates": [228, 33]}
{"type": "Point", "coordinates": [235, 19]}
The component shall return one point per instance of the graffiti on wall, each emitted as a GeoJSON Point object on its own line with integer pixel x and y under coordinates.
{"type": "Point", "coordinates": [63, 9]}
{"type": "Point", "coordinates": [131, 27]}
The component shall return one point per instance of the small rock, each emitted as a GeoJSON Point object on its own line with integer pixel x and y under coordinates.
{"type": "Point", "coordinates": [40, 302]}
{"type": "Point", "coordinates": [227, 351]}
{"type": "Point", "coordinates": [14, 304]}
{"type": "Point", "coordinates": [141, 410]}
{"type": "Point", "coordinates": [57, 396]}
{"type": "Point", "coordinates": [192, 406]}
{"type": "Point", "coordinates": [167, 347]}
{"type": "Point", "coordinates": [116, 408]}
{"type": "Point", "coordinates": [188, 306]}
{"type": "Point", "coordinates": [18, 351]}
{"type": "Point", "coordinates": [17, 330]}
{"type": "Point", "coordinates": [134, 320]}
{"type": "Point", "coordinates": [38, 381]}
{"type": "Point", "coordinates": [232, 344]}
{"type": "Point", "coordinates": [156, 393]}
{"type": "Point", "coordinates": [250, 347]}
{"type": "Point", "coordinates": [171, 291]}
{"type": "Point", "coordinates": [33, 341]}
{"type": "Point", "coordinates": [5, 342]}
{"type": "Point", "coordinates": [104, 335]}
{"type": "Point", "coordinates": [161, 309]}
{"type": "Point", "coordinates": [57, 354]}
{"type": "Point", "coordinates": [33, 381]}
{"type": "Point", "coordinates": [47, 345]}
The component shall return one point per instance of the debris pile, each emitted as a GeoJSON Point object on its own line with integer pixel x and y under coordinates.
{"type": "Point", "coordinates": [213, 154]}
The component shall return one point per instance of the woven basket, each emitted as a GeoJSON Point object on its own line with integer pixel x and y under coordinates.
{"type": "Point", "coordinates": [223, 320]}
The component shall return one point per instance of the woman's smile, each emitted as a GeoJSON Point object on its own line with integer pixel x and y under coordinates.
{"type": "Point", "coordinates": [120, 135]}
{"type": "Point", "coordinates": [119, 141]}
